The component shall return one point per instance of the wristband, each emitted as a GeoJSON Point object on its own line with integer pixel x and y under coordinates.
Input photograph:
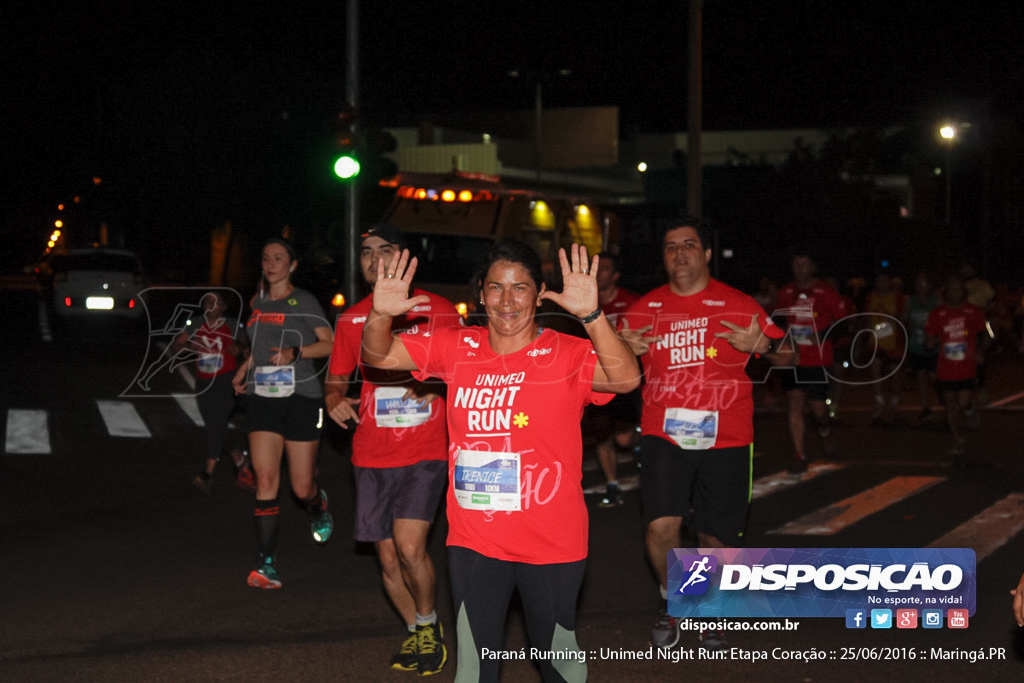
{"type": "Point", "coordinates": [592, 317]}
{"type": "Point", "coordinates": [297, 350]}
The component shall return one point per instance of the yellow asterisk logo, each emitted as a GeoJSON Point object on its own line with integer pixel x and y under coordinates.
{"type": "Point", "coordinates": [521, 420]}
{"type": "Point", "coordinates": [712, 352]}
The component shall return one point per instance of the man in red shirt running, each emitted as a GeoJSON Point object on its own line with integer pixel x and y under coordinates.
{"type": "Point", "coordinates": [399, 457]}
{"type": "Point", "coordinates": [955, 328]}
{"type": "Point", "coordinates": [696, 450]}
{"type": "Point", "coordinates": [810, 307]}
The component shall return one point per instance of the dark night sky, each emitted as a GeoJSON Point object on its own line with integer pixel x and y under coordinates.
{"type": "Point", "coordinates": [109, 90]}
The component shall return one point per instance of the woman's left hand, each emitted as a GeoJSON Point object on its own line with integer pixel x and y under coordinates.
{"type": "Point", "coordinates": [394, 282]}
{"type": "Point", "coordinates": [579, 284]}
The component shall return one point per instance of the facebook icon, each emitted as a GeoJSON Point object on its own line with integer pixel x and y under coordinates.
{"type": "Point", "coordinates": [856, 618]}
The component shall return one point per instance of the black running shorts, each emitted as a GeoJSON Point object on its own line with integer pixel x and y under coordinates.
{"type": "Point", "coordinates": [715, 482]}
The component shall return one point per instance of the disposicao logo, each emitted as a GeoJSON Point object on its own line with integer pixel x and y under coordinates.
{"type": "Point", "coordinates": [819, 582]}
{"type": "Point", "coordinates": [696, 580]}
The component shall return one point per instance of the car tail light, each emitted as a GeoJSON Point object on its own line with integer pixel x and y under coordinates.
{"type": "Point", "coordinates": [131, 303]}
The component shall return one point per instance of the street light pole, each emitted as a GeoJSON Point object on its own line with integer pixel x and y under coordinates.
{"type": "Point", "coordinates": [351, 226]}
{"type": "Point", "coordinates": [948, 133]}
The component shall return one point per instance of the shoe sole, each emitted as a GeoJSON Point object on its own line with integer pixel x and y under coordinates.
{"type": "Point", "coordinates": [667, 646]}
{"type": "Point", "coordinates": [257, 580]}
{"type": "Point", "coordinates": [444, 659]}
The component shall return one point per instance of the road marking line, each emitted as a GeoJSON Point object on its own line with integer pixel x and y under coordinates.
{"type": "Point", "coordinates": [1003, 401]}
{"type": "Point", "coordinates": [989, 530]}
{"type": "Point", "coordinates": [190, 405]}
{"type": "Point", "coordinates": [45, 328]}
{"type": "Point", "coordinates": [122, 419]}
{"type": "Point", "coordinates": [834, 518]}
{"type": "Point", "coordinates": [27, 432]}
{"type": "Point", "coordinates": [779, 481]}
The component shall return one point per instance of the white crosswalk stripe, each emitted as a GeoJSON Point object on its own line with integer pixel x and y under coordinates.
{"type": "Point", "coordinates": [189, 404]}
{"type": "Point", "coordinates": [122, 419]}
{"type": "Point", "coordinates": [27, 432]}
{"type": "Point", "coordinates": [835, 517]}
{"type": "Point", "coordinates": [988, 530]}
{"type": "Point", "coordinates": [780, 481]}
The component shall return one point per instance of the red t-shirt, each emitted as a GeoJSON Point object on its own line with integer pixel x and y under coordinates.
{"type": "Point", "coordinates": [624, 298]}
{"type": "Point", "coordinates": [524, 405]}
{"type": "Point", "coordinates": [809, 313]}
{"type": "Point", "coordinates": [214, 359]}
{"type": "Point", "coordinates": [957, 330]}
{"type": "Point", "coordinates": [388, 434]}
{"type": "Point", "coordinates": [696, 391]}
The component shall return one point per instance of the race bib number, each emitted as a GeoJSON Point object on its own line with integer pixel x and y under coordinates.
{"type": "Point", "coordinates": [803, 335]}
{"type": "Point", "coordinates": [955, 350]}
{"type": "Point", "coordinates": [487, 480]}
{"type": "Point", "coordinates": [692, 430]}
{"type": "Point", "coordinates": [274, 381]}
{"type": "Point", "coordinates": [210, 363]}
{"type": "Point", "coordinates": [393, 412]}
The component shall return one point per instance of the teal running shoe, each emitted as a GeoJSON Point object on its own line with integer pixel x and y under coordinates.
{"type": "Point", "coordinates": [321, 523]}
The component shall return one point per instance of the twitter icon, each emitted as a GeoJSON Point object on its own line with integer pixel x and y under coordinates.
{"type": "Point", "coordinates": [881, 618]}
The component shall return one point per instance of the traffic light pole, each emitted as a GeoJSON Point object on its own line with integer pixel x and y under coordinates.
{"type": "Point", "coordinates": [352, 232]}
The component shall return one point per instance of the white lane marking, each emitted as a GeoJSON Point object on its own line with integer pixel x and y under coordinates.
{"type": "Point", "coordinates": [190, 405]}
{"type": "Point", "coordinates": [783, 480]}
{"type": "Point", "coordinates": [835, 517]}
{"type": "Point", "coordinates": [122, 419]}
{"type": "Point", "coordinates": [27, 432]}
{"type": "Point", "coordinates": [988, 530]}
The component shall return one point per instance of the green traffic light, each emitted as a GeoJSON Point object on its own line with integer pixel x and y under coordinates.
{"type": "Point", "coordinates": [346, 167]}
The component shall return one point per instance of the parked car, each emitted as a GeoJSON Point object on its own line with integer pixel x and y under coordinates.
{"type": "Point", "coordinates": [97, 282]}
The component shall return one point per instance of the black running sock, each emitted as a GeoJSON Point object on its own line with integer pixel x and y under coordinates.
{"type": "Point", "coordinates": [314, 506]}
{"type": "Point", "coordinates": [267, 519]}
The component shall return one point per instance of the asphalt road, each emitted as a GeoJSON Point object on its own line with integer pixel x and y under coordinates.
{"type": "Point", "coordinates": [114, 567]}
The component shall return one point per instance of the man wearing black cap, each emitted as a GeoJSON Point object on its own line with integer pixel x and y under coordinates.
{"type": "Point", "coordinates": [399, 456]}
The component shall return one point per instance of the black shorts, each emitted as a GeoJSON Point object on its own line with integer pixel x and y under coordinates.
{"type": "Point", "coordinates": [384, 494]}
{"type": "Point", "coordinates": [716, 482]}
{"type": "Point", "coordinates": [296, 418]}
{"type": "Point", "coordinates": [943, 386]}
{"type": "Point", "coordinates": [811, 379]}
{"type": "Point", "coordinates": [922, 362]}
